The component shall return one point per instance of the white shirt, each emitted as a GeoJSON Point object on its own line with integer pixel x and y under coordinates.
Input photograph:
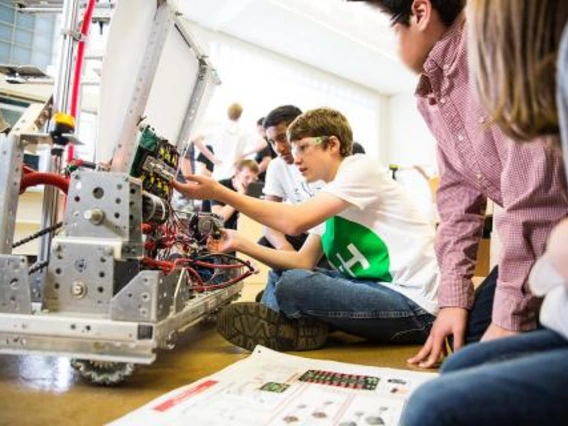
{"type": "Point", "coordinates": [546, 281]}
{"type": "Point", "coordinates": [285, 181]}
{"type": "Point", "coordinates": [229, 143]}
{"type": "Point", "coordinates": [382, 236]}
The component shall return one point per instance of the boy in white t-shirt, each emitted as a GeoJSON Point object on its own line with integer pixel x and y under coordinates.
{"type": "Point", "coordinates": [385, 284]}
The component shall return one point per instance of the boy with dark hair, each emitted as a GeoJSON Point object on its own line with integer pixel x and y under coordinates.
{"type": "Point", "coordinates": [385, 280]}
{"type": "Point", "coordinates": [477, 161]}
{"type": "Point", "coordinates": [265, 155]}
{"type": "Point", "coordinates": [283, 181]}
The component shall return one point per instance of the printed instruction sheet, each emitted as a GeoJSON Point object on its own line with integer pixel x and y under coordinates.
{"type": "Point", "coordinates": [272, 388]}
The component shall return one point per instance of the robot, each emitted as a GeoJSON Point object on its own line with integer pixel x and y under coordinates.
{"type": "Point", "coordinates": [125, 272]}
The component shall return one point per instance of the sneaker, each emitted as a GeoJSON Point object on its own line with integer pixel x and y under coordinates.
{"type": "Point", "coordinates": [247, 324]}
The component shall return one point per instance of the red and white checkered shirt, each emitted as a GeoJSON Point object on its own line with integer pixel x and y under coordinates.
{"type": "Point", "coordinates": [477, 161]}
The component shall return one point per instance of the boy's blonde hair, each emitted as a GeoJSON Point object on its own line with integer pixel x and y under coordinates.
{"type": "Point", "coordinates": [323, 122]}
{"type": "Point", "coordinates": [248, 164]}
{"type": "Point", "coordinates": [234, 112]}
{"type": "Point", "coordinates": [513, 50]}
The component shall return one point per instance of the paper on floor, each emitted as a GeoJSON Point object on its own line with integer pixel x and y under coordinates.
{"type": "Point", "coordinates": [272, 388]}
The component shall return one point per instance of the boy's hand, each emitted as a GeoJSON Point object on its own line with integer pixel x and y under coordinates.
{"type": "Point", "coordinates": [226, 243]}
{"type": "Point", "coordinates": [450, 322]}
{"type": "Point", "coordinates": [238, 185]}
{"type": "Point", "coordinates": [197, 187]}
{"type": "Point", "coordinates": [495, 332]}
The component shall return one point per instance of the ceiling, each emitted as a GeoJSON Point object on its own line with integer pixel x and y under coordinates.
{"type": "Point", "coordinates": [351, 40]}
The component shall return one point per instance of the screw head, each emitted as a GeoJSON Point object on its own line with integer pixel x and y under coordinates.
{"type": "Point", "coordinates": [78, 290]}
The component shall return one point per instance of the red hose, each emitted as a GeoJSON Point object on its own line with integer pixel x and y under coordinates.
{"type": "Point", "coordinates": [37, 178]}
{"type": "Point", "coordinates": [85, 25]}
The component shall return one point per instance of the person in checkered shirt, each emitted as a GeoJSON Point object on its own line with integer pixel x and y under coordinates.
{"type": "Point", "coordinates": [518, 380]}
{"type": "Point", "coordinates": [477, 161]}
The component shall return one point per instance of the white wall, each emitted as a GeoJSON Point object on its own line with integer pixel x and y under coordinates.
{"type": "Point", "coordinates": [410, 143]}
{"type": "Point", "coordinates": [261, 80]}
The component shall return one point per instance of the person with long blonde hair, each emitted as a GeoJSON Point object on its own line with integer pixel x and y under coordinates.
{"type": "Point", "coordinates": [521, 380]}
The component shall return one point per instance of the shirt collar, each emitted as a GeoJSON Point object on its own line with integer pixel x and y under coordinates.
{"type": "Point", "coordinates": [443, 55]}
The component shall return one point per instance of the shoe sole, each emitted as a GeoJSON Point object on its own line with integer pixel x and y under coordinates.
{"type": "Point", "coordinates": [248, 324]}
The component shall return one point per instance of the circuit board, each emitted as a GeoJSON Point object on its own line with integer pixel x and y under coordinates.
{"type": "Point", "coordinates": [155, 164]}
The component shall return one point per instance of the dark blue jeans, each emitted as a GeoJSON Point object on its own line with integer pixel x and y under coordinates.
{"type": "Point", "coordinates": [364, 308]}
{"type": "Point", "coordinates": [520, 380]}
{"type": "Point", "coordinates": [480, 314]}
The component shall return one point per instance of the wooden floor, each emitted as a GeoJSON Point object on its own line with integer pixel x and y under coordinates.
{"type": "Point", "coordinates": [38, 390]}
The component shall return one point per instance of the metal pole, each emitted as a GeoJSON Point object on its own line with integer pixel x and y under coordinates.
{"type": "Point", "coordinates": [60, 103]}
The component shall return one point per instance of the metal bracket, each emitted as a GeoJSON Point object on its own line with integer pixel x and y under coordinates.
{"type": "Point", "coordinates": [207, 74]}
{"type": "Point", "coordinates": [11, 159]}
{"type": "Point", "coordinates": [15, 294]}
{"type": "Point", "coordinates": [148, 297]}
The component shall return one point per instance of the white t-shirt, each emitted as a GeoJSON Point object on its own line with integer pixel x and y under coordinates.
{"type": "Point", "coordinates": [285, 181]}
{"type": "Point", "coordinates": [545, 281]}
{"type": "Point", "coordinates": [229, 143]}
{"type": "Point", "coordinates": [382, 236]}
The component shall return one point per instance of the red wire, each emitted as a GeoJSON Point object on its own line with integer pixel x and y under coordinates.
{"type": "Point", "coordinates": [195, 275]}
{"type": "Point", "coordinates": [168, 267]}
{"type": "Point", "coordinates": [85, 25]}
{"type": "Point", "coordinates": [222, 285]}
{"type": "Point", "coordinates": [220, 266]}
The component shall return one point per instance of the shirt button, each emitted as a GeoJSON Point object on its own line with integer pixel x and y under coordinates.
{"type": "Point", "coordinates": [442, 100]}
{"type": "Point", "coordinates": [460, 137]}
{"type": "Point", "coordinates": [478, 176]}
{"type": "Point", "coordinates": [481, 119]}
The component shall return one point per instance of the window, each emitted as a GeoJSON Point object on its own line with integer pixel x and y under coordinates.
{"type": "Point", "coordinates": [25, 39]}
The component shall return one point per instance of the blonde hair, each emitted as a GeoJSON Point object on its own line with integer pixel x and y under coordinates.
{"type": "Point", "coordinates": [513, 47]}
{"type": "Point", "coordinates": [323, 122]}
{"type": "Point", "coordinates": [234, 112]}
{"type": "Point", "coordinates": [248, 164]}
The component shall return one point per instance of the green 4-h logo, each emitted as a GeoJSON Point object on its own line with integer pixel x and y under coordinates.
{"type": "Point", "coordinates": [355, 250]}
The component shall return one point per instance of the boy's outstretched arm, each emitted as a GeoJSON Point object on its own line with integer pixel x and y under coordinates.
{"type": "Point", "coordinates": [306, 258]}
{"type": "Point", "coordinates": [287, 218]}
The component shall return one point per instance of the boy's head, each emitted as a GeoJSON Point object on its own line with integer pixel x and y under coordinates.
{"type": "Point", "coordinates": [419, 24]}
{"type": "Point", "coordinates": [316, 131]}
{"type": "Point", "coordinates": [513, 50]}
{"type": "Point", "coordinates": [276, 123]}
{"type": "Point", "coordinates": [234, 112]}
{"type": "Point", "coordinates": [247, 172]}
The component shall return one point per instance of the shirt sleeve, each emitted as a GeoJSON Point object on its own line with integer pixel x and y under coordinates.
{"type": "Point", "coordinates": [534, 201]}
{"type": "Point", "coordinates": [563, 93]}
{"type": "Point", "coordinates": [272, 184]}
{"type": "Point", "coordinates": [356, 182]}
{"type": "Point", "coordinates": [461, 208]}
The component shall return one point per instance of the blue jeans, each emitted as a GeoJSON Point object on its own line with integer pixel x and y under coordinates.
{"type": "Point", "coordinates": [479, 317]}
{"type": "Point", "coordinates": [519, 380]}
{"type": "Point", "coordinates": [364, 308]}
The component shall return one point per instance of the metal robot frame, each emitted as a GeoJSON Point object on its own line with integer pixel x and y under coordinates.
{"type": "Point", "coordinates": [99, 297]}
